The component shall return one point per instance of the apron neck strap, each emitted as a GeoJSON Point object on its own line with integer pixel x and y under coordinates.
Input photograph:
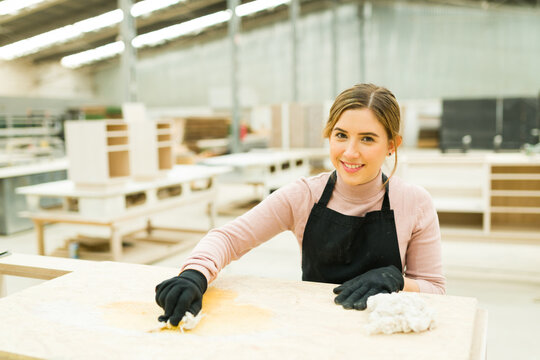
{"type": "Point", "coordinates": [386, 201]}
{"type": "Point", "coordinates": [327, 193]}
{"type": "Point", "coordinates": [329, 188]}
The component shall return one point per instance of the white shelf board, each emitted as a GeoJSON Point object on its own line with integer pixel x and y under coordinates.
{"type": "Point", "coordinates": [462, 205]}
{"type": "Point", "coordinates": [122, 133]}
{"type": "Point", "coordinates": [163, 131]}
{"type": "Point", "coordinates": [515, 210]}
{"type": "Point", "coordinates": [515, 176]}
{"type": "Point", "coordinates": [34, 168]}
{"type": "Point", "coordinates": [516, 193]}
{"type": "Point", "coordinates": [443, 186]}
{"type": "Point", "coordinates": [115, 148]}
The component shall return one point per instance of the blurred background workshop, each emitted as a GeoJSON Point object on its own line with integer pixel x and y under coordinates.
{"type": "Point", "coordinates": [130, 128]}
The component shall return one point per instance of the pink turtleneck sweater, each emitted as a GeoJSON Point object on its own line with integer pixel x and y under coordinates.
{"type": "Point", "coordinates": [289, 207]}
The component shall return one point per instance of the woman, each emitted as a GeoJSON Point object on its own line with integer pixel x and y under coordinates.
{"type": "Point", "coordinates": [355, 226]}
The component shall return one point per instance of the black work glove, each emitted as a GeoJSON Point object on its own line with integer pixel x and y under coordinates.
{"type": "Point", "coordinates": [353, 294]}
{"type": "Point", "coordinates": [180, 294]}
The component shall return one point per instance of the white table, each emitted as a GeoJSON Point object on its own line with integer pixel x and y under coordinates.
{"type": "Point", "coordinates": [268, 168]}
{"type": "Point", "coordinates": [33, 172]}
{"type": "Point", "coordinates": [116, 205]}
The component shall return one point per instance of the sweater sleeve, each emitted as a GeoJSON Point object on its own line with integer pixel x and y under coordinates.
{"type": "Point", "coordinates": [275, 214]}
{"type": "Point", "coordinates": [423, 258]}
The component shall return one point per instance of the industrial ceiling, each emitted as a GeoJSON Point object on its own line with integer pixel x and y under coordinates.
{"type": "Point", "coordinates": [53, 14]}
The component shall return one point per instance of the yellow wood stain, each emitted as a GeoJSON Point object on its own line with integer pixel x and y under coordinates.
{"type": "Point", "coordinates": [222, 316]}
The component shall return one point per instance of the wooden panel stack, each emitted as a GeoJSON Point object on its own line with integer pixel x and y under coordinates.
{"type": "Point", "coordinates": [315, 117]}
{"type": "Point", "coordinates": [204, 127]}
{"type": "Point", "coordinates": [297, 126]}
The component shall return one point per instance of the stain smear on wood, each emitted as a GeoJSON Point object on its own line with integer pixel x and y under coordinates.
{"type": "Point", "coordinates": [222, 316]}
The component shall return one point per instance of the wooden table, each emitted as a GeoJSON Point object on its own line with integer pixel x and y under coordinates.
{"type": "Point", "coordinates": [116, 206]}
{"type": "Point", "coordinates": [107, 310]}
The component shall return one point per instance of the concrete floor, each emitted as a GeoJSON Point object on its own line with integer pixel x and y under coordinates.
{"type": "Point", "coordinates": [504, 277]}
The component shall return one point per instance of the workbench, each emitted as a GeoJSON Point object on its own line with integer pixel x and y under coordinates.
{"type": "Point", "coordinates": [106, 310]}
{"type": "Point", "coordinates": [31, 173]}
{"type": "Point", "coordinates": [117, 206]}
{"type": "Point", "coordinates": [267, 169]}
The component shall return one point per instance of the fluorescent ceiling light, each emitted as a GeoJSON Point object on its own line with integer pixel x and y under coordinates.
{"type": "Point", "coordinates": [8, 7]}
{"type": "Point", "coordinates": [171, 32]}
{"type": "Point", "coordinates": [70, 32]}
{"type": "Point", "coordinates": [147, 6]}
{"type": "Point", "coordinates": [258, 5]}
{"type": "Point", "coordinates": [86, 57]}
{"type": "Point", "coordinates": [161, 36]}
{"type": "Point", "coordinates": [60, 35]}
{"type": "Point", "coordinates": [99, 22]}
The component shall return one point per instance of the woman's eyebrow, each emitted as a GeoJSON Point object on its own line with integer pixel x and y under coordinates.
{"type": "Point", "coordinates": [362, 133]}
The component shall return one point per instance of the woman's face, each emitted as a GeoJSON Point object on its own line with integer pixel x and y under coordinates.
{"type": "Point", "coordinates": [358, 146]}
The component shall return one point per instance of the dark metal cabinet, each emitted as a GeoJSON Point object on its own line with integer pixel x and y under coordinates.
{"type": "Point", "coordinates": [504, 123]}
{"type": "Point", "coordinates": [520, 119]}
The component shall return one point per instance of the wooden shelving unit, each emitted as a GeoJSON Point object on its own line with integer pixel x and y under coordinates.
{"type": "Point", "coordinates": [102, 152]}
{"type": "Point", "coordinates": [98, 151]}
{"type": "Point", "coordinates": [165, 144]}
{"type": "Point", "coordinates": [484, 196]}
{"type": "Point", "coordinates": [458, 184]}
{"type": "Point", "coordinates": [151, 148]}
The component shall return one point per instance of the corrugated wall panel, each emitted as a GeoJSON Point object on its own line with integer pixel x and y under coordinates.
{"type": "Point", "coordinates": [418, 51]}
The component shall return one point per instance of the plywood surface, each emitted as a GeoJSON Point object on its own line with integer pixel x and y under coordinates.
{"type": "Point", "coordinates": [108, 311]}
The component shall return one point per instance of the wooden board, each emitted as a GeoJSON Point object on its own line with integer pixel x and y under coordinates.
{"type": "Point", "coordinates": [109, 312]}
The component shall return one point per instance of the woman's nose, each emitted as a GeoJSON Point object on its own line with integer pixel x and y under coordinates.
{"type": "Point", "coordinates": [352, 150]}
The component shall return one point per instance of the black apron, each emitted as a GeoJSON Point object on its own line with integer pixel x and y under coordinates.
{"type": "Point", "coordinates": [338, 247]}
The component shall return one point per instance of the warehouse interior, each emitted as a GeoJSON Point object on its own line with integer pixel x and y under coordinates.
{"type": "Point", "coordinates": [131, 128]}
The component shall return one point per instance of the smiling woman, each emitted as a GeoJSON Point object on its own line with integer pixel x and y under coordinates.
{"type": "Point", "coordinates": [355, 226]}
{"type": "Point", "coordinates": [358, 146]}
{"type": "Point", "coordinates": [363, 127]}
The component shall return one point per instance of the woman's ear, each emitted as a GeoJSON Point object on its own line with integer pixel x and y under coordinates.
{"type": "Point", "coordinates": [394, 144]}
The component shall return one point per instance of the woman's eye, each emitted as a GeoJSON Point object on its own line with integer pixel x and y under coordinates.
{"type": "Point", "coordinates": [341, 135]}
{"type": "Point", "coordinates": [367, 139]}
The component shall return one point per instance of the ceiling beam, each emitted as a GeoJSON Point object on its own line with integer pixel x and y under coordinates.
{"type": "Point", "coordinates": [31, 10]}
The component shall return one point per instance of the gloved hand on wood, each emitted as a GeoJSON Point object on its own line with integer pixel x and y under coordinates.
{"type": "Point", "coordinates": [180, 294]}
{"type": "Point", "coordinates": [353, 294]}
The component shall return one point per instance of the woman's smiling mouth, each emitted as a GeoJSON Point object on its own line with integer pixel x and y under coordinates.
{"type": "Point", "coordinates": [350, 167]}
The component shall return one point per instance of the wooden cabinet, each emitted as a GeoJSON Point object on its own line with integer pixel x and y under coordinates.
{"type": "Point", "coordinates": [151, 149]}
{"type": "Point", "coordinates": [98, 151]}
{"type": "Point", "coordinates": [109, 151]}
{"type": "Point", "coordinates": [458, 184]}
{"type": "Point", "coordinates": [479, 195]}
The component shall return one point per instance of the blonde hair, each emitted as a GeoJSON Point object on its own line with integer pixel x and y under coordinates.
{"type": "Point", "coordinates": [379, 100]}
